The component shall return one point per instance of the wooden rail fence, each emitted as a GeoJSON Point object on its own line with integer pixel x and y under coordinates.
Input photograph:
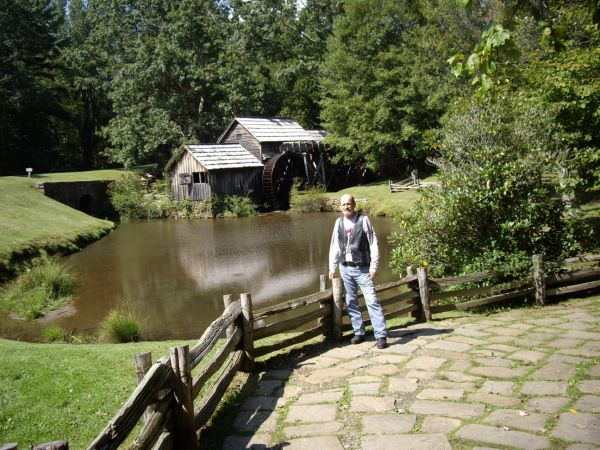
{"type": "Point", "coordinates": [173, 404]}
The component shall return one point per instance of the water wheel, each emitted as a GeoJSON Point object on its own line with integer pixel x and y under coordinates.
{"type": "Point", "coordinates": [277, 178]}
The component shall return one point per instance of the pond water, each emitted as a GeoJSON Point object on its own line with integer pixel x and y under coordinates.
{"type": "Point", "coordinates": [175, 273]}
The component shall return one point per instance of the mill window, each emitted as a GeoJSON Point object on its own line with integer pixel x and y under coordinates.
{"type": "Point", "coordinates": [199, 177]}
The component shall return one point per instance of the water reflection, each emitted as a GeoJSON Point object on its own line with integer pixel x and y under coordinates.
{"type": "Point", "coordinates": [174, 273]}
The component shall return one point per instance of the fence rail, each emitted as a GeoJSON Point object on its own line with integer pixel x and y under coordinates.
{"type": "Point", "coordinates": [173, 405]}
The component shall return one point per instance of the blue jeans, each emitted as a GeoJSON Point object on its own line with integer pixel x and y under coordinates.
{"type": "Point", "coordinates": [355, 277]}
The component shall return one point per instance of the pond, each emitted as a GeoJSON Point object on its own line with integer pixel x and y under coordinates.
{"type": "Point", "coordinates": [174, 273]}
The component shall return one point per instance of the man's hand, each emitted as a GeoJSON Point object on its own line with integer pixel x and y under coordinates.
{"type": "Point", "coordinates": [331, 275]}
{"type": "Point", "coordinates": [373, 275]}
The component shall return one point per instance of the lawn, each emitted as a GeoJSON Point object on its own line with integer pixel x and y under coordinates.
{"type": "Point", "coordinates": [60, 391]}
{"type": "Point", "coordinates": [375, 198]}
{"type": "Point", "coordinates": [30, 221]}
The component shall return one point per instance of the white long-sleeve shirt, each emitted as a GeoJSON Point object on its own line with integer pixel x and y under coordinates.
{"type": "Point", "coordinates": [338, 255]}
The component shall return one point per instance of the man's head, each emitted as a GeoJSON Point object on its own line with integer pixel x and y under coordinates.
{"type": "Point", "coordinates": [347, 206]}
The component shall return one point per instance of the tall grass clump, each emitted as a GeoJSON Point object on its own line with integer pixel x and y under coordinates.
{"type": "Point", "coordinates": [54, 333]}
{"type": "Point", "coordinates": [42, 287]}
{"type": "Point", "coordinates": [312, 199]}
{"type": "Point", "coordinates": [121, 325]}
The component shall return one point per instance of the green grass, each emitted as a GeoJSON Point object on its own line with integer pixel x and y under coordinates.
{"type": "Point", "coordinates": [59, 391]}
{"type": "Point", "coordinates": [30, 221]}
{"type": "Point", "coordinates": [44, 286]}
{"type": "Point", "coordinates": [378, 198]}
{"type": "Point", "coordinates": [121, 325]}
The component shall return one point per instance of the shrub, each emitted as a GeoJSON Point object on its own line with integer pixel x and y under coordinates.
{"type": "Point", "coordinates": [43, 286]}
{"type": "Point", "coordinates": [492, 209]}
{"type": "Point", "coordinates": [232, 206]}
{"type": "Point", "coordinates": [54, 333]}
{"type": "Point", "coordinates": [312, 199]}
{"type": "Point", "coordinates": [127, 198]}
{"type": "Point", "coordinates": [120, 325]}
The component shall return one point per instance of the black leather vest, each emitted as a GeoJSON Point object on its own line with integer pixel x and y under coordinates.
{"type": "Point", "coordinates": [359, 243]}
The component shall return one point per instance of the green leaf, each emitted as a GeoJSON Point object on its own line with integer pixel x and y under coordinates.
{"type": "Point", "coordinates": [473, 62]}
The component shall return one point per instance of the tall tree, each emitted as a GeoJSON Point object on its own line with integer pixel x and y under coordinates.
{"type": "Point", "coordinates": [274, 51]}
{"type": "Point", "coordinates": [34, 127]}
{"type": "Point", "coordinates": [86, 58]}
{"type": "Point", "coordinates": [386, 81]}
{"type": "Point", "coordinates": [164, 86]}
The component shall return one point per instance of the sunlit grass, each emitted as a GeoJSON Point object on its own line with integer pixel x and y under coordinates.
{"type": "Point", "coordinates": [44, 286]}
{"type": "Point", "coordinates": [376, 198]}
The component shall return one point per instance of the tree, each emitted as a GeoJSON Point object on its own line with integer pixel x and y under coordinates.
{"type": "Point", "coordinates": [271, 63]}
{"type": "Point", "coordinates": [385, 80]}
{"type": "Point", "coordinates": [164, 87]}
{"type": "Point", "coordinates": [34, 125]}
{"type": "Point", "coordinates": [86, 58]}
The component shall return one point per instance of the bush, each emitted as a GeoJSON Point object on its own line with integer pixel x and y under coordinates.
{"type": "Point", "coordinates": [492, 209]}
{"type": "Point", "coordinates": [127, 198]}
{"type": "Point", "coordinates": [312, 199]}
{"type": "Point", "coordinates": [42, 287]}
{"type": "Point", "coordinates": [232, 206]}
{"type": "Point", "coordinates": [121, 325]}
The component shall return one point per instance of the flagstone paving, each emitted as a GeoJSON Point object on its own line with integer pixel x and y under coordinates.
{"type": "Point", "coordinates": [518, 379]}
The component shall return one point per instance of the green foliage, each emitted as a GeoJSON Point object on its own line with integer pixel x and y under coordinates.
{"type": "Point", "coordinates": [281, 49]}
{"type": "Point", "coordinates": [492, 209]}
{"type": "Point", "coordinates": [162, 63]}
{"type": "Point", "coordinates": [127, 198]}
{"type": "Point", "coordinates": [35, 127]}
{"type": "Point", "coordinates": [43, 286]}
{"type": "Point", "coordinates": [121, 325]}
{"type": "Point", "coordinates": [567, 80]}
{"type": "Point", "coordinates": [312, 199]}
{"type": "Point", "coordinates": [494, 46]}
{"type": "Point", "coordinates": [386, 81]}
{"type": "Point", "coordinates": [232, 206]}
{"type": "Point", "coordinates": [54, 333]}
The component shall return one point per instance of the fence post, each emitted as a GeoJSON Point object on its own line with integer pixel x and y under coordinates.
{"type": "Point", "coordinates": [322, 303]}
{"type": "Point", "coordinates": [185, 431]}
{"type": "Point", "coordinates": [337, 307]}
{"type": "Point", "coordinates": [410, 271]}
{"type": "Point", "coordinates": [538, 280]}
{"type": "Point", "coordinates": [322, 283]}
{"type": "Point", "coordinates": [247, 327]}
{"type": "Point", "coordinates": [228, 300]}
{"type": "Point", "coordinates": [424, 293]}
{"type": "Point", "coordinates": [143, 362]}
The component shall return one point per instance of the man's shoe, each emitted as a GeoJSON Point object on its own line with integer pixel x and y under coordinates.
{"type": "Point", "coordinates": [357, 339]}
{"type": "Point", "coordinates": [382, 343]}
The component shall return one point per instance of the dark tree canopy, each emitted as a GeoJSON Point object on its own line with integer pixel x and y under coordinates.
{"type": "Point", "coordinates": [34, 114]}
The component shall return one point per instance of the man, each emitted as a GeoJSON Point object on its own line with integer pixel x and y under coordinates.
{"type": "Point", "coordinates": [354, 248]}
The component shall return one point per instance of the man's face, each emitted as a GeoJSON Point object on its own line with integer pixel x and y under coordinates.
{"type": "Point", "coordinates": [347, 206]}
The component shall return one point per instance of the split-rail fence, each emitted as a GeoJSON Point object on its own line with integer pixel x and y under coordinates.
{"type": "Point", "coordinates": [174, 405]}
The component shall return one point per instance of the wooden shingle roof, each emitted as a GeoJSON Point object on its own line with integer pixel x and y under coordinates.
{"type": "Point", "coordinates": [223, 156]}
{"type": "Point", "coordinates": [271, 129]}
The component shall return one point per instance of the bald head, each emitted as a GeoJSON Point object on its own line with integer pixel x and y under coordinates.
{"type": "Point", "coordinates": [347, 205]}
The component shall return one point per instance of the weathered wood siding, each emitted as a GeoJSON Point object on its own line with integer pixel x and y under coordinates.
{"type": "Point", "coordinates": [270, 148]}
{"type": "Point", "coordinates": [236, 181]}
{"type": "Point", "coordinates": [248, 141]}
{"type": "Point", "coordinates": [193, 191]}
{"type": "Point", "coordinates": [228, 181]}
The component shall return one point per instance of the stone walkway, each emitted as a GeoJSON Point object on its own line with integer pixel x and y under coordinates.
{"type": "Point", "coordinates": [526, 379]}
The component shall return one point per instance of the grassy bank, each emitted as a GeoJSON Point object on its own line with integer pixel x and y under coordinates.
{"type": "Point", "coordinates": [31, 222]}
{"type": "Point", "coordinates": [375, 198]}
{"type": "Point", "coordinates": [58, 391]}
